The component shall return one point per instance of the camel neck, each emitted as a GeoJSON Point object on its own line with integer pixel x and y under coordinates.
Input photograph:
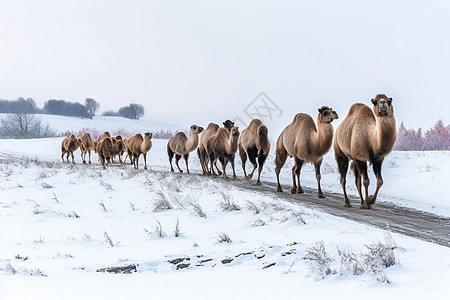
{"type": "Point", "coordinates": [232, 144]}
{"type": "Point", "coordinates": [384, 135]}
{"type": "Point", "coordinates": [192, 142]}
{"type": "Point", "coordinates": [322, 139]}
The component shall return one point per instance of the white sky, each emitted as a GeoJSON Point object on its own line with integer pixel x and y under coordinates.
{"type": "Point", "coordinates": [200, 61]}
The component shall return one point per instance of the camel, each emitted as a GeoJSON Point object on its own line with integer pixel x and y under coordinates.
{"type": "Point", "coordinates": [179, 145]}
{"type": "Point", "coordinates": [307, 144]}
{"type": "Point", "coordinates": [223, 146]}
{"type": "Point", "coordinates": [365, 137]}
{"type": "Point", "coordinates": [100, 138]}
{"type": "Point", "coordinates": [138, 145]}
{"type": "Point", "coordinates": [87, 145]}
{"type": "Point", "coordinates": [254, 143]}
{"type": "Point", "coordinates": [202, 153]}
{"type": "Point", "coordinates": [107, 149]}
{"type": "Point", "coordinates": [69, 145]}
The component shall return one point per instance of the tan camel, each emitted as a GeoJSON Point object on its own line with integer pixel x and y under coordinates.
{"type": "Point", "coordinates": [69, 145]}
{"type": "Point", "coordinates": [138, 145]}
{"type": "Point", "coordinates": [364, 137]}
{"type": "Point", "coordinates": [223, 146]}
{"type": "Point", "coordinates": [254, 144]}
{"type": "Point", "coordinates": [107, 149]}
{"type": "Point", "coordinates": [307, 144]}
{"type": "Point", "coordinates": [179, 145]}
{"type": "Point", "coordinates": [87, 145]}
{"type": "Point", "coordinates": [202, 152]}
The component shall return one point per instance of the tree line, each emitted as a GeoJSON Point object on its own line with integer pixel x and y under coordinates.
{"type": "Point", "coordinates": [65, 108]}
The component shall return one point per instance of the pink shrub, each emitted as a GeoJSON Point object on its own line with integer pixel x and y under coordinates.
{"type": "Point", "coordinates": [437, 138]}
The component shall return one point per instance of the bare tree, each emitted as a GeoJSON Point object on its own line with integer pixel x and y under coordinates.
{"type": "Point", "coordinates": [91, 105]}
{"type": "Point", "coordinates": [23, 124]}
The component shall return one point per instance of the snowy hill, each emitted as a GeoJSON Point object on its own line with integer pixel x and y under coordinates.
{"type": "Point", "coordinates": [67, 228]}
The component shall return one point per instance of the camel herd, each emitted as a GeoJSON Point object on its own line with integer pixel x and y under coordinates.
{"type": "Point", "coordinates": [365, 135]}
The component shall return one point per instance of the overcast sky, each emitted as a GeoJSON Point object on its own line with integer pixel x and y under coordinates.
{"type": "Point", "coordinates": [200, 61]}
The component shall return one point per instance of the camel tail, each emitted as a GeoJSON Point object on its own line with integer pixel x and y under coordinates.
{"type": "Point", "coordinates": [264, 139]}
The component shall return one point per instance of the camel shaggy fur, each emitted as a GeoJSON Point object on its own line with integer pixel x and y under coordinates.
{"type": "Point", "coordinates": [99, 139]}
{"type": "Point", "coordinates": [179, 145]}
{"type": "Point", "coordinates": [254, 144]}
{"type": "Point", "coordinates": [307, 144]}
{"type": "Point", "coordinates": [138, 145]}
{"type": "Point", "coordinates": [87, 145]}
{"type": "Point", "coordinates": [365, 136]}
{"type": "Point", "coordinates": [107, 149]}
{"type": "Point", "coordinates": [202, 152]}
{"type": "Point", "coordinates": [69, 145]}
{"type": "Point", "coordinates": [223, 146]}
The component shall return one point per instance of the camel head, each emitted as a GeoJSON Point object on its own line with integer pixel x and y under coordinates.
{"type": "Point", "coordinates": [148, 135]}
{"type": "Point", "coordinates": [382, 105]}
{"type": "Point", "coordinates": [235, 131]}
{"type": "Point", "coordinates": [228, 124]}
{"type": "Point", "coordinates": [196, 129]}
{"type": "Point", "coordinates": [327, 114]}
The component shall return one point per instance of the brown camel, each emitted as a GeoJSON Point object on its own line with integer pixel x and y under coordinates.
{"type": "Point", "coordinates": [100, 138]}
{"type": "Point", "coordinates": [179, 145]}
{"type": "Point", "coordinates": [69, 145]}
{"type": "Point", "coordinates": [202, 153]}
{"type": "Point", "coordinates": [107, 149]}
{"type": "Point", "coordinates": [138, 145]}
{"type": "Point", "coordinates": [254, 143]}
{"type": "Point", "coordinates": [307, 144]}
{"type": "Point", "coordinates": [223, 146]}
{"type": "Point", "coordinates": [87, 145]}
{"type": "Point", "coordinates": [364, 137]}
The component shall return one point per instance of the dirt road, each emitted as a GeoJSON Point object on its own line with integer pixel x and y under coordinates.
{"type": "Point", "coordinates": [417, 224]}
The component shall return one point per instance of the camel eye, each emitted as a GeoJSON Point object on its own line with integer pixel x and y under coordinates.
{"type": "Point", "coordinates": [326, 113]}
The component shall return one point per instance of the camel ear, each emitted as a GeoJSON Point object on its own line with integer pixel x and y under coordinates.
{"type": "Point", "coordinates": [390, 100]}
{"type": "Point", "coordinates": [374, 102]}
{"type": "Point", "coordinates": [320, 110]}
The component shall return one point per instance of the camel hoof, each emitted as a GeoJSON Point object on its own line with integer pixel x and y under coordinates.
{"type": "Point", "coordinates": [145, 168]}
{"type": "Point", "coordinates": [258, 182]}
{"type": "Point", "coordinates": [365, 206]}
{"type": "Point", "coordinates": [294, 191]}
{"type": "Point", "coordinates": [300, 191]}
{"type": "Point", "coordinates": [220, 173]}
{"type": "Point", "coordinates": [279, 189]}
{"type": "Point", "coordinates": [347, 204]}
{"type": "Point", "coordinates": [321, 196]}
{"type": "Point", "coordinates": [84, 162]}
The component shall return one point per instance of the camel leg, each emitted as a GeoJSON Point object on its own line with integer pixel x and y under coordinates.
{"type": "Point", "coordinates": [177, 159]}
{"type": "Point", "coordinates": [217, 168]}
{"type": "Point", "coordinates": [232, 166]}
{"type": "Point", "coordinates": [280, 160]}
{"type": "Point", "coordinates": [243, 156]}
{"type": "Point", "coordinates": [224, 164]}
{"type": "Point", "coordinates": [297, 188]}
{"type": "Point", "coordinates": [145, 160]}
{"type": "Point", "coordinates": [342, 162]}
{"type": "Point", "coordinates": [89, 156]}
{"type": "Point", "coordinates": [201, 157]}
{"type": "Point", "coordinates": [361, 169]}
{"type": "Point", "coordinates": [261, 161]}
{"type": "Point", "coordinates": [84, 161]}
{"type": "Point", "coordinates": [73, 157]}
{"type": "Point", "coordinates": [252, 153]}
{"type": "Point", "coordinates": [186, 157]}
{"type": "Point", "coordinates": [171, 154]}
{"type": "Point", "coordinates": [62, 156]}
{"type": "Point", "coordinates": [377, 170]}
{"type": "Point", "coordinates": [136, 161]}
{"type": "Point", "coordinates": [318, 177]}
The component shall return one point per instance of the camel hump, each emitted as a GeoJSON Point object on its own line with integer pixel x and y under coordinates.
{"type": "Point", "coordinates": [301, 117]}
{"type": "Point", "coordinates": [212, 126]}
{"type": "Point", "coordinates": [255, 123]}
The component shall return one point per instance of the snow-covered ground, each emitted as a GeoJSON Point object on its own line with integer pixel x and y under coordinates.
{"type": "Point", "coordinates": [61, 223]}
